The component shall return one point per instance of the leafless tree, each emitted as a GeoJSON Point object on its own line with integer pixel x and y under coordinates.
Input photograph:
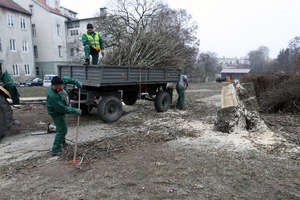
{"type": "Point", "coordinates": [206, 67]}
{"type": "Point", "coordinates": [148, 33]}
{"type": "Point", "coordinates": [259, 59]}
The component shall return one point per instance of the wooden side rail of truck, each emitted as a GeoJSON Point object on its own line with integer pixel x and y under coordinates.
{"type": "Point", "coordinates": [105, 87]}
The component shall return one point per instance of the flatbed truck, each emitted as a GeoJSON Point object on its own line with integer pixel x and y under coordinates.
{"type": "Point", "coordinates": [105, 87]}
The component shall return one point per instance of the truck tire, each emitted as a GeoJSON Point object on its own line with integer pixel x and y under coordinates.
{"type": "Point", "coordinates": [162, 101]}
{"type": "Point", "coordinates": [110, 109]}
{"type": "Point", "coordinates": [6, 117]}
{"type": "Point", "coordinates": [130, 98]}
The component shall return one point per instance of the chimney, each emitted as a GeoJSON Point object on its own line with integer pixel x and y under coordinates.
{"type": "Point", "coordinates": [103, 12]}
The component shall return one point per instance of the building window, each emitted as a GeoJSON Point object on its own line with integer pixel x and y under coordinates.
{"type": "Point", "coordinates": [31, 9]}
{"type": "Point", "coordinates": [37, 71]}
{"type": "Point", "coordinates": [72, 52]}
{"type": "Point", "coordinates": [23, 23]}
{"type": "Point", "coordinates": [10, 18]}
{"type": "Point", "coordinates": [59, 51]}
{"type": "Point", "coordinates": [12, 45]}
{"type": "Point", "coordinates": [16, 71]}
{"type": "Point", "coordinates": [35, 51]}
{"type": "Point", "coordinates": [74, 32]}
{"type": "Point", "coordinates": [73, 25]}
{"type": "Point", "coordinates": [58, 29]}
{"type": "Point", "coordinates": [27, 69]}
{"type": "Point", "coordinates": [25, 46]}
{"type": "Point", "coordinates": [33, 30]}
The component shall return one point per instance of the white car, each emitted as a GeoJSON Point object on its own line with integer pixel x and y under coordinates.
{"type": "Point", "coordinates": [47, 80]}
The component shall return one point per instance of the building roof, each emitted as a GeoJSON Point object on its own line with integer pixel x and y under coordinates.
{"type": "Point", "coordinates": [44, 4]}
{"type": "Point", "coordinates": [69, 10]}
{"type": "Point", "coordinates": [11, 5]}
{"type": "Point", "coordinates": [55, 11]}
{"type": "Point", "coordinates": [235, 71]}
{"type": "Point", "coordinates": [84, 19]}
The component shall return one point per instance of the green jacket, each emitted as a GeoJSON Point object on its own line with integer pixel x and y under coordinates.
{"type": "Point", "coordinates": [85, 40]}
{"type": "Point", "coordinates": [9, 85]}
{"type": "Point", "coordinates": [69, 80]}
{"type": "Point", "coordinates": [57, 102]}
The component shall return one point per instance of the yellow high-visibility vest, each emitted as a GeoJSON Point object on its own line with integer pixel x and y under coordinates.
{"type": "Point", "coordinates": [94, 41]}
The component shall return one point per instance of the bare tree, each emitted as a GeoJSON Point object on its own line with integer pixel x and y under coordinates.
{"type": "Point", "coordinates": [259, 59]}
{"type": "Point", "coordinates": [206, 67]}
{"type": "Point", "coordinates": [149, 33]}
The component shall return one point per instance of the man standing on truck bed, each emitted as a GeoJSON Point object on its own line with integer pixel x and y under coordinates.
{"type": "Point", "coordinates": [57, 109]}
{"type": "Point", "coordinates": [93, 44]}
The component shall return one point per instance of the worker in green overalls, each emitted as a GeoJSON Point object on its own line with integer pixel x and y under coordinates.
{"type": "Point", "coordinates": [93, 44]}
{"type": "Point", "coordinates": [181, 86]}
{"type": "Point", "coordinates": [57, 108]}
{"type": "Point", "coordinates": [10, 86]}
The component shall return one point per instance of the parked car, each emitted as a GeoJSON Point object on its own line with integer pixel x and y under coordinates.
{"type": "Point", "coordinates": [32, 82]}
{"type": "Point", "coordinates": [47, 80]}
{"type": "Point", "coordinates": [220, 80]}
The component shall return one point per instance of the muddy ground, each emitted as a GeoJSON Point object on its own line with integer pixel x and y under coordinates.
{"type": "Point", "coordinates": [149, 155]}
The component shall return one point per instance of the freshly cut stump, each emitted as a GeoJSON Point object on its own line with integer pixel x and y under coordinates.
{"type": "Point", "coordinates": [239, 110]}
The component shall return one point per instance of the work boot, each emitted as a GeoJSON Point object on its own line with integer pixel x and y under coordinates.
{"type": "Point", "coordinates": [87, 62]}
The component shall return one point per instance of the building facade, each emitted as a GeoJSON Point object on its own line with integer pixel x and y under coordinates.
{"type": "Point", "coordinates": [233, 62]}
{"type": "Point", "coordinates": [233, 74]}
{"type": "Point", "coordinates": [39, 35]}
{"type": "Point", "coordinates": [49, 33]}
{"type": "Point", "coordinates": [16, 44]}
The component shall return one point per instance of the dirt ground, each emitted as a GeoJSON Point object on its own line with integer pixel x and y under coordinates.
{"type": "Point", "coordinates": [149, 155]}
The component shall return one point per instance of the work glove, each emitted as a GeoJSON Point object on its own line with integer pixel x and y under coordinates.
{"type": "Point", "coordinates": [102, 53]}
{"type": "Point", "coordinates": [79, 112]}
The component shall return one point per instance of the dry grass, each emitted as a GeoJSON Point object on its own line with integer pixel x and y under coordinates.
{"type": "Point", "coordinates": [33, 91]}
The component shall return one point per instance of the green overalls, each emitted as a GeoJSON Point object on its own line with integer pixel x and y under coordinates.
{"type": "Point", "coordinates": [57, 108]}
{"type": "Point", "coordinates": [180, 87]}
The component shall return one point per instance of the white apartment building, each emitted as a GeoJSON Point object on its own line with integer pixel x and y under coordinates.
{"type": "Point", "coordinates": [49, 33]}
{"type": "Point", "coordinates": [16, 45]}
{"type": "Point", "coordinates": [52, 36]}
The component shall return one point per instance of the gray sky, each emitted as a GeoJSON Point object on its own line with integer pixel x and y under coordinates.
{"type": "Point", "coordinates": [230, 27]}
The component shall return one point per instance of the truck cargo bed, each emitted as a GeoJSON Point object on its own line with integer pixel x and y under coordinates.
{"type": "Point", "coordinates": [105, 75]}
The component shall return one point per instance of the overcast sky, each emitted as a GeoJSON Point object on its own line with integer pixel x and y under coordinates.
{"type": "Point", "coordinates": [231, 28]}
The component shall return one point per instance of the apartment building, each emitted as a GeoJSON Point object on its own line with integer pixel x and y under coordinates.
{"type": "Point", "coordinates": [49, 33]}
{"type": "Point", "coordinates": [42, 35]}
{"type": "Point", "coordinates": [16, 45]}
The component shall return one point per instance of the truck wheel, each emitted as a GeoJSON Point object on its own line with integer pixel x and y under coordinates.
{"type": "Point", "coordinates": [130, 98]}
{"type": "Point", "coordinates": [110, 109]}
{"type": "Point", "coordinates": [162, 101]}
{"type": "Point", "coordinates": [6, 118]}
